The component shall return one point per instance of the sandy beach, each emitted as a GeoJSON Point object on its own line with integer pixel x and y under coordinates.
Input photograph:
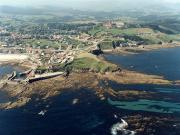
{"type": "Point", "coordinates": [12, 57]}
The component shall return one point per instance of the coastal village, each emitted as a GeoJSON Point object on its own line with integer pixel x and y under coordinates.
{"type": "Point", "coordinates": [89, 71]}
{"type": "Point", "coordinates": [41, 60]}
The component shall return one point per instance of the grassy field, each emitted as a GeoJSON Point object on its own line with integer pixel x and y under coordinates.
{"type": "Point", "coordinates": [90, 64]}
{"type": "Point", "coordinates": [42, 43]}
{"type": "Point", "coordinates": [115, 31]}
{"type": "Point", "coordinates": [84, 62]}
{"type": "Point", "coordinates": [148, 35]}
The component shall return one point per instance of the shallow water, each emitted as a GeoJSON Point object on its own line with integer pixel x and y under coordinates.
{"type": "Point", "coordinates": [147, 105]}
{"type": "Point", "coordinates": [6, 69]}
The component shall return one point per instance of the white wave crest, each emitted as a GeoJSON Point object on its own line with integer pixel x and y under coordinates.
{"type": "Point", "coordinates": [120, 127]}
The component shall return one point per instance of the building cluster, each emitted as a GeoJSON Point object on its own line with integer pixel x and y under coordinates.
{"type": "Point", "coordinates": [15, 36]}
{"type": "Point", "coordinates": [49, 57]}
{"type": "Point", "coordinates": [3, 31]}
{"type": "Point", "coordinates": [11, 39]}
{"type": "Point", "coordinates": [62, 57]}
{"type": "Point", "coordinates": [10, 43]}
{"type": "Point", "coordinates": [14, 50]}
{"type": "Point", "coordinates": [113, 24]}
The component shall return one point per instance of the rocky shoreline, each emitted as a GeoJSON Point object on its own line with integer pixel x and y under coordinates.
{"type": "Point", "coordinates": [79, 78]}
{"type": "Point", "coordinates": [22, 93]}
{"type": "Point", "coordinates": [140, 49]}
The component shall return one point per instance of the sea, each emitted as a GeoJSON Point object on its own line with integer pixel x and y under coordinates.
{"type": "Point", "coordinates": [90, 116]}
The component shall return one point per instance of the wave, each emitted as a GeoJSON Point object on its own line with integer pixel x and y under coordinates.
{"type": "Point", "coordinates": [120, 128]}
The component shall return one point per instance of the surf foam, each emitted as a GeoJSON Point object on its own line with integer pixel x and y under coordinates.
{"type": "Point", "coordinates": [120, 127]}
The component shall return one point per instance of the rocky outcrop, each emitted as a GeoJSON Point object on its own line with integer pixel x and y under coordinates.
{"type": "Point", "coordinates": [15, 104]}
{"type": "Point", "coordinates": [96, 52]}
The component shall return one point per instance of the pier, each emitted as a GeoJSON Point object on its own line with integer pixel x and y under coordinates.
{"type": "Point", "coordinates": [12, 79]}
{"type": "Point", "coordinates": [43, 76]}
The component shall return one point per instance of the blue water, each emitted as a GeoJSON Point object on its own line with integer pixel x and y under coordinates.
{"type": "Point", "coordinates": [164, 62]}
{"type": "Point", "coordinates": [148, 105]}
{"type": "Point", "coordinates": [3, 97]}
{"type": "Point", "coordinates": [6, 69]}
{"type": "Point", "coordinates": [91, 116]}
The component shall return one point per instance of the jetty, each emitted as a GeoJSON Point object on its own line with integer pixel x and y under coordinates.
{"type": "Point", "coordinates": [43, 76]}
{"type": "Point", "coordinates": [14, 78]}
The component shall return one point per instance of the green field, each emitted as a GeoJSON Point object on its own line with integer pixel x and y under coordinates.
{"type": "Point", "coordinates": [42, 43]}
{"type": "Point", "coordinates": [148, 35]}
{"type": "Point", "coordinates": [91, 64]}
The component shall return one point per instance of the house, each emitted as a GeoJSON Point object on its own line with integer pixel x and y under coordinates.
{"type": "Point", "coordinates": [108, 24]}
{"type": "Point", "coordinates": [119, 24]}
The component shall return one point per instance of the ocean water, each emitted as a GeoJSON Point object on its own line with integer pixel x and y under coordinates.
{"type": "Point", "coordinates": [91, 116]}
{"type": "Point", "coordinates": [163, 62]}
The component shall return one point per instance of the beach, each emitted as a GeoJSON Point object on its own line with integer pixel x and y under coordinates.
{"type": "Point", "coordinates": [12, 57]}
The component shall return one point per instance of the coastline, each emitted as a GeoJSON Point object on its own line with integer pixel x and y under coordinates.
{"type": "Point", "coordinates": [76, 80]}
{"type": "Point", "coordinates": [8, 58]}
{"type": "Point", "coordinates": [50, 87]}
{"type": "Point", "coordinates": [143, 48]}
{"type": "Point", "coordinates": [16, 60]}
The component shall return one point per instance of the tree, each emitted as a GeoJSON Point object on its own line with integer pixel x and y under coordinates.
{"type": "Point", "coordinates": [114, 44]}
{"type": "Point", "coordinates": [171, 41]}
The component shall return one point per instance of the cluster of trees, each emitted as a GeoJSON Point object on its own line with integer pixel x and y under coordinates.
{"type": "Point", "coordinates": [49, 28]}
{"type": "Point", "coordinates": [137, 39]}
{"type": "Point", "coordinates": [69, 27]}
{"type": "Point", "coordinates": [117, 43]}
{"type": "Point", "coordinates": [58, 28]}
